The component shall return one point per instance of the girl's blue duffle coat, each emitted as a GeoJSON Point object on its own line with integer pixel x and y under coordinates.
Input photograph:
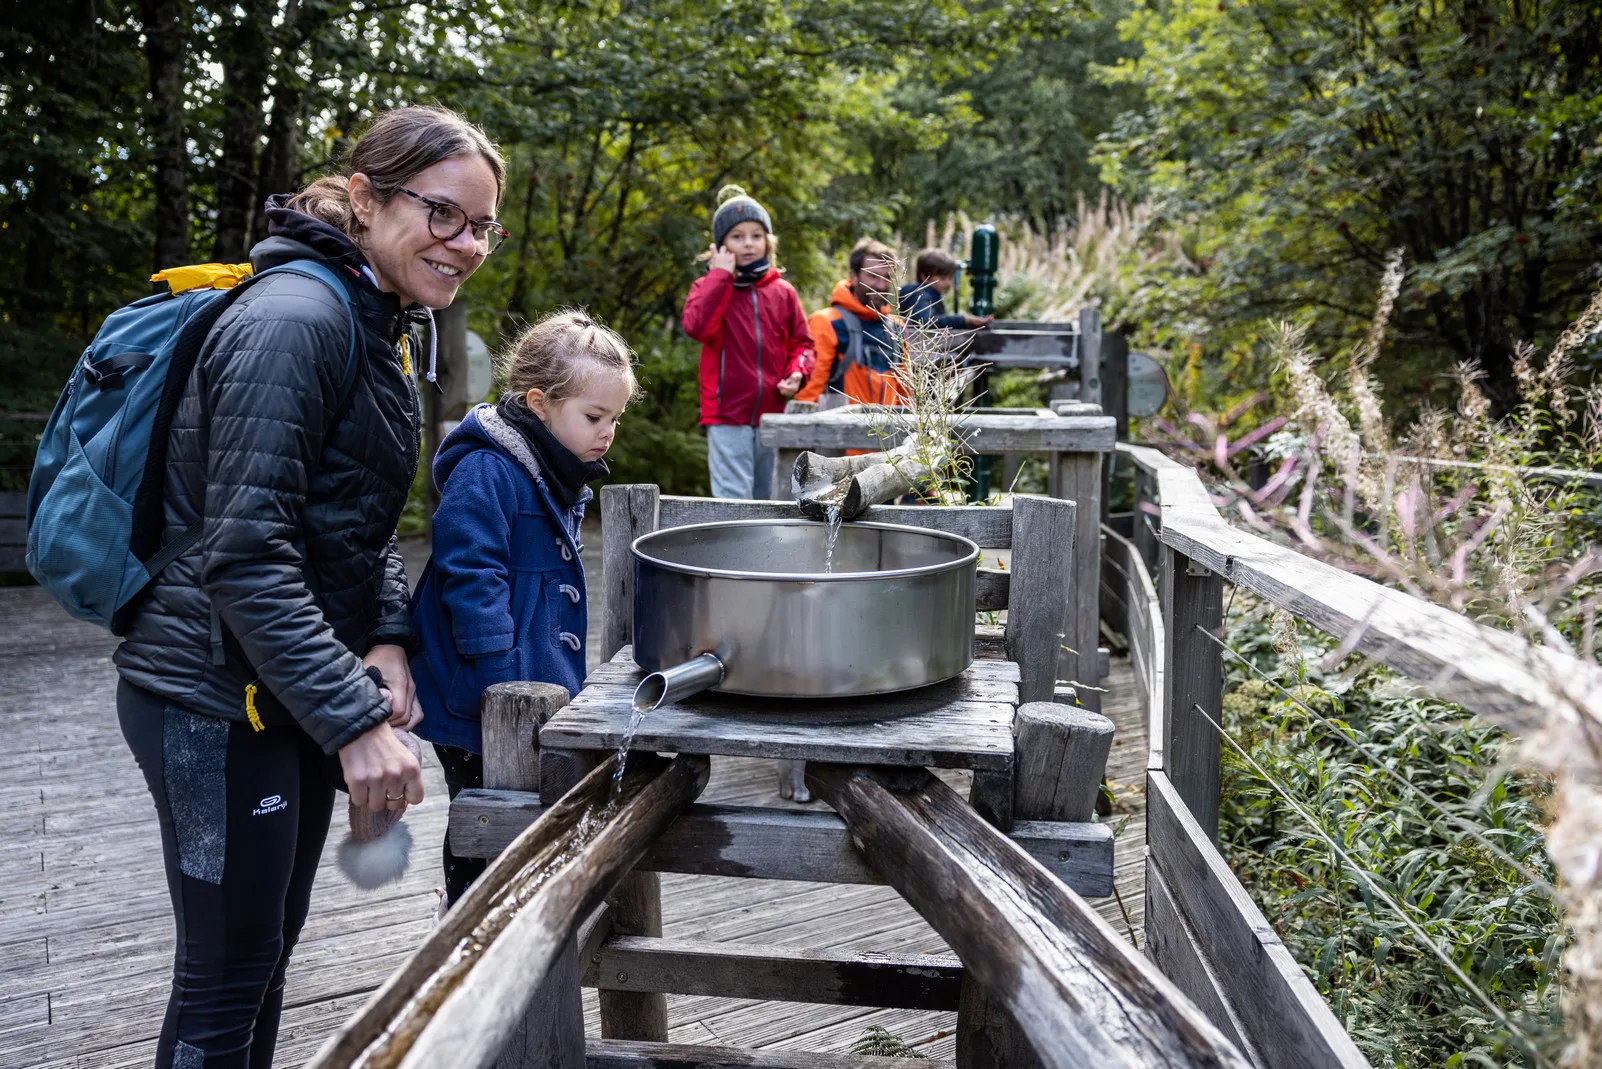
{"type": "Point", "coordinates": [503, 595]}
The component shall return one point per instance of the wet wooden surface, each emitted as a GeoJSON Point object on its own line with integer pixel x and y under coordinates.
{"type": "Point", "coordinates": [86, 934]}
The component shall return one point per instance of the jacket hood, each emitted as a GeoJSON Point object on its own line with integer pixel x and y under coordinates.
{"type": "Point", "coordinates": [293, 235]}
{"type": "Point", "coordinates": [843, 296]}
{"type": "Point", "coordinates": [482, 428]}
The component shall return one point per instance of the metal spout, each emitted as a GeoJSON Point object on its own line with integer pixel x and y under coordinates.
{"type": "Point", "coordinates": [678, 682]}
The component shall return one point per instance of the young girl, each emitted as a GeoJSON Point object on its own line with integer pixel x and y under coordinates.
{"type": "Point", "coordinates": [503, 596]}
{"type": "Point", "coordinates": [756, 350]}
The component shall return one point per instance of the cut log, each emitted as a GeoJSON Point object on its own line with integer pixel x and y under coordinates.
{"type": "Point", "coordinates": [460, 997]}
{"type": "Point", "coordinates": [1079, 993]}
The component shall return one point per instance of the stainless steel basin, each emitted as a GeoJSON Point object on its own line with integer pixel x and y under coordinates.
{"type": "Point", "coordinates": [894, 611]}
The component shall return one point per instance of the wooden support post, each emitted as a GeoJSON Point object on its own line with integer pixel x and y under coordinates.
{"type": "Point", "coordinates": [1090, 356]}
{"type": "Point", "coordinates": [628, 510]}
{"type": "Point", "coordinates": [1043, 551]}
{"type": "Point", "coordinates": [1146, 523]}
{"type": "Point", "coordinates": [1062, 754]}
{"type": "Point", "coordinates": [1193, 674]}
{"type": "Point", "coordinates": [987, 1036]}
{"type": "Point", "coordinates": [1080, 994]}
{"type": "Point", "coordinates": [511, 715]}
{"type": "Point", "coordinates": [561, 771]}
{"type": "Point", "coordinates": [636, 910]}
{"type": "Point", "coordinates": [1078, 479]}
{"type": "Point", "coordinates": [551, 1032]}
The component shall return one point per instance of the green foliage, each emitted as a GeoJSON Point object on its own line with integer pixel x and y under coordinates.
{"type": "Point", "coordinates": [1295, 145]}
{"type": "Point", "coordinates": [879, 1041]}
{"type": "Point", "coordinates": [1494, 919]}
{"type": "Point", "coordinates": [660, 439]}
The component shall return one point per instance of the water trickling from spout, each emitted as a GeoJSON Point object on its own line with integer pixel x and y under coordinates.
{"type": "Point", "coordinates": [623, 750]}
{"type": "Point", "coordinates": [833, 513]}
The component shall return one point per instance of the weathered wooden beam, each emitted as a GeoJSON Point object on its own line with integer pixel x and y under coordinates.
{"type": "Point", "coordinates": [992, 590]}
{"type": "Point", "coordinates": [1145, 630]}
{"type": "Point", "coordinates": [775, 973]}
{"type": "Point", "coordinates": [988, 434]}
{"type": "Point", "coordinates": [621, 1054]}
{"type": "Point", "coordinates": [1281, 1017]}
{"type": "Point", "coordinates": [511, 715]}
{"type": "Point", "coordinates": [1494, 673]}
{"type": "Point", "coordinates": [777, 844]}
{"type": "Point", "coordinates": [1043, 550]}
{"type": "Point", "coordinates": [1077, 477]}
{"type": "Point", "coordinates": [987, 526]}
{"type": "Point", "coordinates": [1061, 758]}
{"type": "Point", "coordinates": [1078, 991]}
{"type": "Point", "coordinates": [628, 510]}
{"type": "Point", "coordinates": [462, 994]}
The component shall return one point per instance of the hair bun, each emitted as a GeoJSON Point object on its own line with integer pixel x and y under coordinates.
{"type": "Point", "coordinates": [729, 192]}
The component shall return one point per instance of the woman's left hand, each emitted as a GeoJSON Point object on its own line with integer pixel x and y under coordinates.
{"type": "Point", "coordinates": [397, 671]}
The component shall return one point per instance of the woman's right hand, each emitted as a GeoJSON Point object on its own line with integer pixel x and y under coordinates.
{"type": "Point", "coordinates": [380, 772]}
{"type": "Point", "coordinates": [722, 259]}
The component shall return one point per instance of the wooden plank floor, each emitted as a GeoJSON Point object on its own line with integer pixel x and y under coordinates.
{"type": "Point", "coordinates": [86, 934]}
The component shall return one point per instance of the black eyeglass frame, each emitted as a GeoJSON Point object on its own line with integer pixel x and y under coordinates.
{"type": "Point", "coordinates": [481, 227]}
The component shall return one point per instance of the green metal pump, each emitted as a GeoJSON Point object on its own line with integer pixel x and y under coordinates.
{"type": "Point", "coordinates": [984, 257]}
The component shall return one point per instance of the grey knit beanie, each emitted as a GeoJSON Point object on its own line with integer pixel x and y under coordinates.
{"type": "Point", "coordinates": [734, 208]}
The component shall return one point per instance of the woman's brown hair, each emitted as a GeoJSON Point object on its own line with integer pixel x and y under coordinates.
{"type": "Point", "coordinates": [558, 355]}
{"type": "Point", "coordinates": [398, 145]}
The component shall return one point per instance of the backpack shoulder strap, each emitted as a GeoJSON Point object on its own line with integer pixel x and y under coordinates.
{"type": "Point", "coordinates": [171, 551]}
{"type": "Point", "coordinates": [853, 325]}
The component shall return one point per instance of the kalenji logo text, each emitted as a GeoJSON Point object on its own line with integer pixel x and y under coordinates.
{"type": "Point", "coordinates": [270, 804]}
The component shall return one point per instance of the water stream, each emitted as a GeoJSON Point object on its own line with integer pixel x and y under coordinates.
{"type": "Point", "coordinates": [833, 513]}
{"type": "Point", "coordinates": [623, 751]}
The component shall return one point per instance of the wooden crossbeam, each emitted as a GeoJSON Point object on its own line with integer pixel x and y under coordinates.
{"type": "Point", "coordinates": [777, 844]}
{"type": "Point", "coordinates": [775, 973]}
{"type": "Point", "coordinates": [621, 1054]}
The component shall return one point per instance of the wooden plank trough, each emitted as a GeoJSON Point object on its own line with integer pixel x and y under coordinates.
{"type": "Point", "coordinates": [571, 899]}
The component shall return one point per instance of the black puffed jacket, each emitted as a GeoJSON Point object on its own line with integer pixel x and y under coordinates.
{"type": "Point", "coordinates": [298, 573]}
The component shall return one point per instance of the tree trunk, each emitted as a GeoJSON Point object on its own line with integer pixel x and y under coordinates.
{"type": "Point", "coordinates": [246, 57]}
{"type": "Point", "coordinates": [278, 172]}
{"type": "Point", "coordinates": [166, 46]}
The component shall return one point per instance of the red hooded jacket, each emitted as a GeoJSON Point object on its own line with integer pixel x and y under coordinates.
{"type": "Point", "coordinates": [751, 339]}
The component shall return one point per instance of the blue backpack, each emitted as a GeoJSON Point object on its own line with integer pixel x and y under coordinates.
{"type": "Point", "coordinates": [95, 515]}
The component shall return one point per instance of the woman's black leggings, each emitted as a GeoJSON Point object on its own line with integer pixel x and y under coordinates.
{"type": "Point", "coordinates": [243, 817]}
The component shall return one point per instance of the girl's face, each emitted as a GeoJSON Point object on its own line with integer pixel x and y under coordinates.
{"type": "Point", "coordinates": [406, 258]}
{"type": "Point", "coordinates": [587, 421]}
{"type": "Point", "coordinates": [748, 241]}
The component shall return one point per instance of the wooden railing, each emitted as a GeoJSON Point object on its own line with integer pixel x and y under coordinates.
{"type": "Point", "coordinates": [1202, 929]}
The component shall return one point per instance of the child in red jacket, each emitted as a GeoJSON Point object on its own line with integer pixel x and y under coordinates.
{"type": "Point", "coordinates": [756, 350]}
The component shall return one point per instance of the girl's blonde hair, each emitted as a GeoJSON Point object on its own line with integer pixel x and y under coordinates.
{"type": "Point", "coordinates": [559, 354]}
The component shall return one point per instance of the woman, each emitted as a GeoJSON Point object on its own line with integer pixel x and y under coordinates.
{"type": "Point", "coordinates": [249, 659]}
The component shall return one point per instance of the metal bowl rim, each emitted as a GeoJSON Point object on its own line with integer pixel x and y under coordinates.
{"type": "Point", "coordinates": [970, 557]}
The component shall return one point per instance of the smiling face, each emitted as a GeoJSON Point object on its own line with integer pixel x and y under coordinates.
{"type": "Point", "coordinates": [748, 241]}
{"type": "Point", "coordinates": [871, 285]}
{"type": "Point", "coordinates": [406, 258]}
{"type": "Point", "coordinates": [586, 422]}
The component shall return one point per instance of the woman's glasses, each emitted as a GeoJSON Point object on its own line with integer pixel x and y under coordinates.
{"type": "Point", "coordinates": [445, 221]}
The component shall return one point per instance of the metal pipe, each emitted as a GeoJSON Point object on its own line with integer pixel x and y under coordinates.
{"type": "Point", "coordinates": [678, 682]}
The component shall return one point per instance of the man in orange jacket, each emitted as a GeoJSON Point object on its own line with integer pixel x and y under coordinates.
{"type": "Point", "coordinates": [858, 343]}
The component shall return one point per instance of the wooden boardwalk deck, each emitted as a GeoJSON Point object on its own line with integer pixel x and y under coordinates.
{"type": "Point", "coordinates": [86, 936]}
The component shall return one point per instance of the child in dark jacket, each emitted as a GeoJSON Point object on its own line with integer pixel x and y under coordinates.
{"type": "Point", "coordinates": [756, 350]}
{"type": "Point", "coordinates": [503, 596]}
{"type": "Point", "coordinates": [924, 301]}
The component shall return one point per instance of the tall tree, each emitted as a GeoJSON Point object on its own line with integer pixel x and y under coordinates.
{"type": "Point", "coordinates": [246, 57]}
{"type": "Point", "coordinates": [1301, 142]}
{"type": "Point", "coordinates": [166, 55]}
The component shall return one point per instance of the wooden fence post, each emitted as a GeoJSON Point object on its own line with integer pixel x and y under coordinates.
{"type": "Point", "coordinates": [1077, 478]}
{"type": "Point", "coordinates": [551, 1033]}
{"type": "Point", "coordinates": [1044, 549]}
{"type": "Point", "coordinates": [628, 510]}
{"type": "Point", "coordinates": [1061, 757]}
{"type": "Point", "coordinates": [1193, 674]}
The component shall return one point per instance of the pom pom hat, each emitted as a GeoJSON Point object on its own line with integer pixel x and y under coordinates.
{"type": "Point", "coordinates": [734, 208]}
